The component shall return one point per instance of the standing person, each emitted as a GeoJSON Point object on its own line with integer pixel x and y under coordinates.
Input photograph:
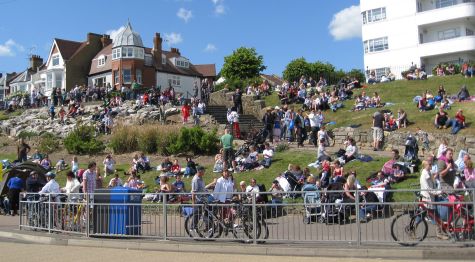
{"type": "Point", "coordinates": [72, 184]}
{"type": "Point", "coordinates": [268, 121]}
{"type": "Point", "coordinates": [237, 99]}
{"type": "Point", "coordinates": [51, 111]}
{"type": "Point", "coordinates": [22, 150]}
{"type": "Point", "coordinates": [227, 143]}
{"type": "Point", "coordinates": [446, 169]}
{"type": "Point", "coordinates": [224, 188]}
{"type": "Point", "coordinates": [62, 113]}
{"type": "Point", "coordinates": [299, 128]}
{"type": "Point", "coordinates": [234, 117]}
{"type": "Point", "coordinates": [378, 124]}
{"type": "Point", "coordinates": [185, 112]}
{"type": "Point", "coordinates": [314, 127]}
{"type": "Point", "coordinates": [89, 178]}
{"type": "Point", "coordinates": [15, 185]}
{"type": "Point", "coordinates": [197, 187]}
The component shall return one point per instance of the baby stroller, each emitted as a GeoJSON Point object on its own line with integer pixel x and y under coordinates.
{"type": "Point", "coordinates": [255, 139]}
{"type": "Point", "coordinates": [333, 210]}
{"type": "Point", "coordinates": [411, 153]}
{"type": "Point", "coordinates": [295, 186]}
{"type": "Point", "coordinates": [312, 205]}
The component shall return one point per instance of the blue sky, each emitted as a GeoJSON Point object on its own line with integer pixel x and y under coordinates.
{"type": "Point", "coordinates": [205, 31]}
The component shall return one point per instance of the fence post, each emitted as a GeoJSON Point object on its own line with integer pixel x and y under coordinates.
{"type": "Point", "coordinates": [358, 218]}
{"type": "Point", "coordinates": [165, 220]}
{"type": "Point", "coordinates": [22, 205]}
{"type": "Point", "coordinates": [49, 213]}
{"type": "Point", "coordinates": [254, 219]}
{"type": "Point", "coordinates": [88, 215]}
{"type": "Point", "coordinates": [473, 202]}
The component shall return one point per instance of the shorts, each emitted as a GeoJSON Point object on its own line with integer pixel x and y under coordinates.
{"type": "Point", "coordinates": [377, 134]}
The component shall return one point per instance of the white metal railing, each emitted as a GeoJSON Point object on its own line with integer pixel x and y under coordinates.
{"type": "Point", "coordinates": [309, 216]}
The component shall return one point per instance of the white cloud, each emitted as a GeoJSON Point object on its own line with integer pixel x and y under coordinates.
{"type": "Point", "coordinates": [210, 48]}
{"type": "Point", "coordinates": [346, 24]}
{"type": "Point", "coordinates": [219, 7]}
{"type": "Point", "coordinates": [113, 32]}
{"type": "Point", "coordinates": [184, 14]}
{"type": "Point", "coordinates": [173, 38]}
{"type": "Point", "coordinates": [9, 48]}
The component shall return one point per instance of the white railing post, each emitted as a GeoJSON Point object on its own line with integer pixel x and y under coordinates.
{"type": "Point", "coordinates": [165, 220]}
{"type": "Point", "coordinates": [254, 219]}
{"type": "Point", "coordinates": [49, 213]}
{"type": "Point", "coordinates": [88, 213]}
{"type": "Point", "coordinates": [358, 218]}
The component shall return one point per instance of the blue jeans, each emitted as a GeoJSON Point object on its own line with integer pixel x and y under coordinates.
{"type": "Point", "coordinates": [367, 209]}
{"type": "Point", "coordinates": [456, 126]}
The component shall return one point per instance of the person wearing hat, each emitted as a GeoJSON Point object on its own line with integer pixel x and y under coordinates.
{"type": "Point", "coordinates": [51, 187]}
{"type": "Point", "coordinates": [33, 183]}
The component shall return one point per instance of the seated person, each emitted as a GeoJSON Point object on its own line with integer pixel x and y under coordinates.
{"type": "Point", "coordinates": [359, 103]}
{"type": "Point", "coordinates": [268, 153]}
{"type": "Point", "coordinates": [252, 159]}
{"type": "Point", "coordinates": [46, 163]}
{"type": "Point", "coordinates": [176, 168]}
{"type": "Point", "coordinates": [351, 151]}
{"type": "Point", "coordinates": [132, 181]}
{"type": "Point", "coordinates": [401, 120]}
{"type": "Point", "coordinates": [422, 104]}
{"type": "Point", "coordinates": [190, 167]}
{"type": "Point", "coordinates": [179, 185]}
{"type": "Point", "coordinates": [252, 187]}
{"type": "Point", "coordinates": [115, 181]}
{"type": "Point", "coordinates": [463, 94]}
{"type": "Point", "coordinates": [145, 161]}
{"type": "Point", "coordinates": [380, 181]}
{"type": "Point", "coordinates": [137, 164]}
{"type": "Point", "coordinates": [370, 203]}
{"type": "Point", "coordinates": [37, 157]}
{"type": "Point", "coordinates": [325, 175]}
{"type": "Point", "coordinates": [457, 123]}
{"type": "Point", "coordinates": [337, 173]}
{"type": "Point", "coordinates": [166, 165]}
{"type": "Point", "coordinates": [397, 175]}
{"type": "Point", "coordinates": [60, 165]}
{"type": "Point", "coordinates": [311, 184]}
{"type": "Point", "coordinates": [321, 151]}
{"type": "Point", "coordinates": [441, 119]}
{"type": "Point", "coordinates": [376, 100]}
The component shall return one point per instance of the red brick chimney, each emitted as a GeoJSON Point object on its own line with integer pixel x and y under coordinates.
{"type": "Point", "coordinates": [157, 48]}
{"type": "Point", "coordinates": [175, 50]}
{"type": "Point", "coordinates": [35, 62]}
{"type": "Point", "coordinates": [106, 40]}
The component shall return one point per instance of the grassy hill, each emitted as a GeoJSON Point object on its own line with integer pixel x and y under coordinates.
{"type": "Point", "coordinates": [401, 93]}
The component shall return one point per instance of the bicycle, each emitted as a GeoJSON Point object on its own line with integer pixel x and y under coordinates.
{"type": "Point", "coordinates": [212, 221]}
{"type": "Point", "coordinates": [413, 223]}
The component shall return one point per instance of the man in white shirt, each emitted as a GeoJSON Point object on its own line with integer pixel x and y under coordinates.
{"type": "Point", "coordinates": [224, 188]}
{"type": "Point", "coordinates": [316, 120]}
{"type": "Point", "coordinates": [253, 188]}
{"type": "Point", "coordinates": [52, 187]}
{"type": "Point", "coordinates": [268, 153]}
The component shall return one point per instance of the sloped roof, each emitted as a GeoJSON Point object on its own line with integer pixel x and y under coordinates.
{"type": "Point", "coordinates": [127, 37]}
{"type": "Point", "coordinates": [107, 53]}
{"type": "Point", "coordinates": [207, 70]}
{"type": "Point", "coordinates": [24, 76]}
{"type": "Point", "coordinates": [273, 79]}
{"type": "Point", "coordinates": [68, 48]}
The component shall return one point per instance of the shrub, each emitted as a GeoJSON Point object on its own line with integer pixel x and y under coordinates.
{"type": "Point", "coordinates": [232, 84]}
{"type": "Point", "coordinates": [165, 139]}
{"type": "Point", "coordinates": [194, 140]}
{"type": "Point", "coordinates": [82, 141]}
{"type": "Point", "coordinates": [48, 143]}
{"type": "Point", "coordinates": [124, 139]}
{"type": "Point", "coordinates": [27, 134]}
{"type": "Point", "coordinates": [281, 147]}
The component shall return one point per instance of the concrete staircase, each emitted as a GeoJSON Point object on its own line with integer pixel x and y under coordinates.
{"type": "Point", "coordinates": [246, 122]}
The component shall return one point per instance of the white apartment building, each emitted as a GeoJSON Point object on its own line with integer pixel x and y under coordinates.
{"type": "Point", "coordinates": [399, 33]}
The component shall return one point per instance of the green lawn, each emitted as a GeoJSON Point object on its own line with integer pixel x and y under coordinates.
{"type": "Point", "coordinates": [401, 93]}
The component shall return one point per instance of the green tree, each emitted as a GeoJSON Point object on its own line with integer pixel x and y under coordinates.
{"type": "Point", "coordinates": [296, 68]}
{"type": "Point", "coordinates": [321, 69]}
{"type": "Point", "coordinates": [243, 63]}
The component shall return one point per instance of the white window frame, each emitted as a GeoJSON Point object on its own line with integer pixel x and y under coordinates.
{"type": "Point", "coordinates": [55, 60]}
{"type": "Point", "coordinates": [174, 80]}
{"type": "Point", "coordinates": [444, 3]}
{"type": "Point", "coordinates": [369, 16]}
{"type": "Point", "coordinates": [49, 80]}
{"type": "Point", "coordinates": [124, 75]}
{"type": "Point", "coordinates": [116, 76]}
{"type": "Point", "coordinates": [370, 45]}
{"type": "Point", "coordinates": [116, 53]}
{"type": "Point", "coordinates": [448, 34]}
{"type": "Point", "coordinates": [138, 75]}
{"type": "Point", "coordinates": [101, 61]}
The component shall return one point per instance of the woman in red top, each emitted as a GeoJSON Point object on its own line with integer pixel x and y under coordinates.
{"type": "Point", "coordinates": [176, 168]}
{"type": "Point", "coordinates": [145, 98]}
{"type": "Point", "coordinates": [185, 112]}
{"type": "Point", "coordinates": [457, 123]}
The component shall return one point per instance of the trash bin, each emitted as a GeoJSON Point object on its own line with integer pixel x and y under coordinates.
{"type": "Point", "coordinates": [101, 211]}
{"type": "Point", "coordinates": [125, 213]}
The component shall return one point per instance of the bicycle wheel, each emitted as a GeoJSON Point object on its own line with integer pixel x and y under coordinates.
{"type": "Point", "coordinates": [264, 232]}
{"type": "Point", "coordinates": [408, 230]}
{"type": "Point", "coordinates": [189, 226]}
{"type": "Point", "coordinates": [461, 229]}
{"type": "Point", "coordinates": [207, 227]}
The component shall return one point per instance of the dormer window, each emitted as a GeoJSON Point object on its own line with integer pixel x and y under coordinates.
{"type": "Point", "coordinates": [182, 63]}
{"type": "Point", "coordinates": [101, 61]}
{"type": "Point", "coordinates": [116, 53]}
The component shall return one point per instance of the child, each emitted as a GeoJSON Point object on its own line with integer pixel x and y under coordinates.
{"type": "Point", "coordinates": [179, 185]}
{"type": "Point", "coordinates": [62, 113]}
{"type": "Point", "coordinates": [325, 176]}
{"type": "Point", "coordinates": [424, 138]}
{"type": "Point", "coordinates": [397, 175]}
{"type": "Point", "coordinates": [75, 165]}
{"type": "Point", "coordinates": [60, 165]}
{"type": "Point", "coordinates": [176, 168]}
